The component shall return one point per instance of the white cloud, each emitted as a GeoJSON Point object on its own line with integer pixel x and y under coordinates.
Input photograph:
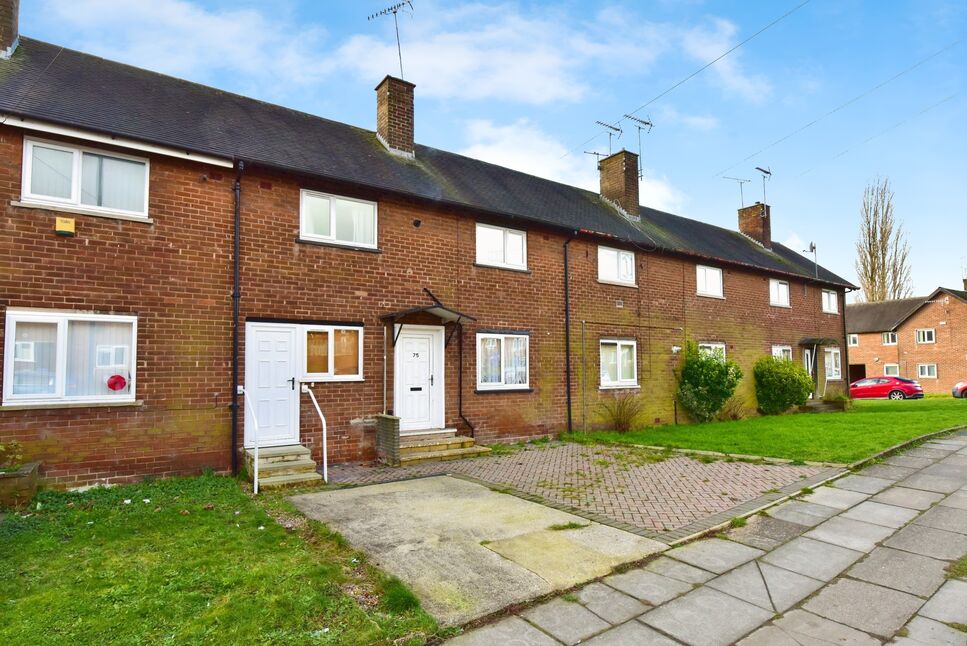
{"type": "Point", "coordinates": [705, 43]}
{"type": "Point", "coordinates": [669, 115]}
{"type": "Point", "coordinates": [523, 146]}
{"type": "Point", "coordinates": [794, 242]}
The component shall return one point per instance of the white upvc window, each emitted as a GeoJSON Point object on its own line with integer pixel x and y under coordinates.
{"type": "Point", "coordinates": [926, 335]}
{"type": "Point", "coordinates": [830, 301]}
{"type": "Point", "coordinates": [778, 293]}
{"type": "Point", "coordinates": [712, 348]}
{"type": "Point", "coordinates": [888, 338]}
{"type": "Point", "coordinates": [503, 361]}
{"type": "Point", "coordinates": [834, 366]}
{"type": "Point", "coordinates": [337, 220]}
{"type": "Point", "coordinates": [68, 357]}
{"type": "Point", "coordinates": [708, 281]}
{"type": "Point", "coordinates": [616, 266]}
{"type": "Point", "coordinates": [891, 370]}
{"type": "Point", "coordinates": [619, 363]}
{"type": "Point", "coordinates": [501, 247]}
{"type": "Point", "coordinates": [853, 340]}
{"type": "Point", "coordinates": [927, 370]}
{"type": "Point", "coordinates": [782, 352]}
{"type": "Point", "coordinates": [58, 174]}
{"type": "Point", "coordinates": [332, 353]}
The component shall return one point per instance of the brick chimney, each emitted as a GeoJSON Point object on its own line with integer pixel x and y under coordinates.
{"type": "Point", "coordinates": [619, 181]}
{"type": "Point", "coordinates": [756, 222]}
{"type": "Point", "coordinates": [9, 27]}
{"type": "Point", "coordinates": [394, 115]}
{"type": "Point", "coordinates": [965, 283]}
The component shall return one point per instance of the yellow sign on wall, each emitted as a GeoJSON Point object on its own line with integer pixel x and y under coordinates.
{"type": "Point", "coordinates": [64, 226]}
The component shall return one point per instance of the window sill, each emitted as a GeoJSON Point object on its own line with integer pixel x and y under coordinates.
{"type": "Point", "coordinates": [832, 313]}
{"type": "Point", "coordinates": [498, 391]}
{"type": "Point", "coordinates": [715, 296]}
{"type": "Point", "coordinates": [312, 381]}
{"type": "Point", "coordinates": [519, 270]}
{"type": "Point", "coordinates": [77, 210]}
{"type": "Point", "coordinates": [621, 387]}
{"type": "Point", "coordinates": [617, 283]}
{"type": "Point", "coordinates": [54, 405]}
{"type": "Point", "coordinates": [781, 306]}
{"type": "Point", "coordinates": [338, 245]}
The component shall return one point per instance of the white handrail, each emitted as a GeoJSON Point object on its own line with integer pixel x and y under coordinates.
{"type": "Point", "coordinates": [325, 447]}
{"type": "Point", "coordinates": [255, 440]}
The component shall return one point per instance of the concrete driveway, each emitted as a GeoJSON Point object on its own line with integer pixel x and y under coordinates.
{"type": "Point", "coordinates": [467, 551]}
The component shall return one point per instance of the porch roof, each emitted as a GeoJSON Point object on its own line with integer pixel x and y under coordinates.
{"type": "Point", "coordinates": [818, 341]}
{"type": "Point", "coordinates": [440, 311]}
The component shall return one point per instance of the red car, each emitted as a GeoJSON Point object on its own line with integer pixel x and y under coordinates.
{"type": "Point", "coordinates": [885, 388]}
{"type": "Point", "coordinates": [960, 389]}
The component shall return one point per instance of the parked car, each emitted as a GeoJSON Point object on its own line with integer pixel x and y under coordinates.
{"type": "Point", "coordinates": [960, 389]}
{"type": "Point", "coordinates": [885, 388]}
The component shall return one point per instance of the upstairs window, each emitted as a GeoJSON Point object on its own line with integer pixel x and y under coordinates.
{"type": "Point", "coordinates": [55, 174]}
{"type": "Point", "coordinates": [619, 364]}
{"type": "Point", "coordinates": [853, 340]}
{"type": "Point", "coordinates": [616, 266]}
{"type": "Point", "coordinates": [708, 281]}
{"type": "Point", "coordinates": [337, 220]}
{"type": "Point", "coordinates": [779, 293]}
{"type": "Point", "coordinates": [926, 335]}
{"type": "Point", "coordinates": [502, 361]}
{"type": "Point", "coordinates": [888, 338]}
{"type": "Point", "coordinates": [500, 247]}
{"type": "Point", "coordinates": [830, 301]}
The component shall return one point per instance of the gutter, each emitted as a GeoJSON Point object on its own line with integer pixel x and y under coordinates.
{"type": "Point", "coordinates": [236, 298]}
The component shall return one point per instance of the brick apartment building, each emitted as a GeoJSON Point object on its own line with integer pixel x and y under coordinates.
{"type": "Point", "coordinates": [165, 246]}
{"type": "Point", "coordinates": [922, 338]}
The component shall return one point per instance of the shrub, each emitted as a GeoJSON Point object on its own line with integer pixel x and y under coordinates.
{"type": "Point", "coordinates": [780, 384]}
{"type": "Point", "coordinates": [705, 382]}
{"type": "Point", "coordinates": [622, 412]}
{"type": "Point", "coordinates": [734, 409]}
{"type": "Point", "coordinates": [11, 455]}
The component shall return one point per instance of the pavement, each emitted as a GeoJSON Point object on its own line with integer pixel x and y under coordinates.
{"type": "Point", "coordinates": [862, 561]}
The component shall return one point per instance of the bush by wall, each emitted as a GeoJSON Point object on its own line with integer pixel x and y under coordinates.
{"type": "Point", "coordinates": [705, 382]}
{"type": "Point", "coordinates": [780, 384]}
{"type": "Point", "coordinates": [621, 413]}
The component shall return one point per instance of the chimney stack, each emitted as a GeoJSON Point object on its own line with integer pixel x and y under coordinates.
{"type": "Point", "coordinates": [965, 283]}
{"type": "Point", "coordinates": [9, 27]}
{"type": "Point", "coordinates": [756, 222]}
{"type": "Point", "coordinates": [394, 115]}
{"type": "Point", "coordinates": [619, 181]}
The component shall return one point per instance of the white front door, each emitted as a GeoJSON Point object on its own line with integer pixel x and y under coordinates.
{"type": "Point", "coordinates": [419, 377]}
{"type": "Point", "coordinates": [807, 360]}
{"type": "Point", "coordinates": [271, 386]}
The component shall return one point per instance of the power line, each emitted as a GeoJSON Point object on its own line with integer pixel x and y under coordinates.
{"type": "Point", "coordinates": [841, 106]}
{"type": "Point", "coordinates": [698, 71]}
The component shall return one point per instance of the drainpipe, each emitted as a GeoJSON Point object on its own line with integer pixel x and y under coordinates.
{"type": "Point", "coordinates": [473, 431]}
{"type": "Point", "coordinates": [236, 298]}
{"type": "Point", "coordinates": [567, 335]}
{"type": "Point", "coordinates": [845, 343]}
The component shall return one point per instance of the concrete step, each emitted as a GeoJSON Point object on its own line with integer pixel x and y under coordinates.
{"type": "Point", "coordinates": [408, 447]}
{"type": "Point", "coordinates": [278, 454]}
{"type": "Point", "coordinates": [429, 434]}
{"type": "Point", "coordinates": [287, 467]}
{"type": "Point", "coordinates": [451, 454]}
{"type": "Point", "coordinates": [290, 480]}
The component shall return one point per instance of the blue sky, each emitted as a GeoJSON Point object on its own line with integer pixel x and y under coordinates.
{"type": "Point", "coordinates": [522, 83]}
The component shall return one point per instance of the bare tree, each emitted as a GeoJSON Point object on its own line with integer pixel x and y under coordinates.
{"type": "Point", "coordinates": [882, 251]}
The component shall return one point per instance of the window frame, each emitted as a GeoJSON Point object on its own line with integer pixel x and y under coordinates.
{"type": "Point", "coordinates": [782, 347]}
{"type": "Point", "coordinates": [503, 336]}
{"type": "Point", "coordinates": [705, 346]}
{"type": "Point", "coordinates": [74, 201]}
{"type": "Point", "coordinates": [698, 283]}
{"type": "Point", "coordinates": [617, 279]}
{"type": "Point", "coordinates": [833, 300]}
{"type": "Point", "coordinates": [838, 375]}
{"type": "Point", "coordinates": [504, 231]}
{"type": "Point", "coordinates": [921, 331]}
{"type": "Point", "coordinates": [621, 383]}
{"type": "Point", "coordinates": [332, 239]}
{"type": "Point", "coordinates": [775, 282]}
{"type": "Point", "coordinates": [61, 319]}
{"type": "Point", "coordinates": [891, 335]}
{"type": "Point", "coordinates": [891, 365]}
{"type": "Point", "coordinates": [852, 340]}
{"type": "Point", "coordinates": [921, 366]}
{"type": "Point", "coordinates": [330, 375]}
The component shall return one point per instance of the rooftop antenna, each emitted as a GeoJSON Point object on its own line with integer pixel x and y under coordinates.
{"type": "Point", "coordinates": [640, 124]}
{"type": "Point", "coordinates": [812, 250]}
{"type": "Point", "coordinates": [596, 154]}
{"type": "Point", "coordinates": [396, 8]}
{"type": "Point", "coordinates": [613, 131]}
{"type": "Point", "coordinates": [766, 174]}
{"type": "Point", "coordinates": [740, 182]}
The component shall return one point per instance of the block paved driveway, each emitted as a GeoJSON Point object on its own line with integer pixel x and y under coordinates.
{"type": "Point", "coordinates": [863, 561]}
{"type": "Point", "coordinates": [618, 486]}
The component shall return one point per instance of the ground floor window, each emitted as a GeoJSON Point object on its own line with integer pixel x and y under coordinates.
{"type": "Point", "coordinates": [834, 367]}
{"type": "Point", "coordinates": [714, 348]}
{"type": "Point", "coordinates": [619, 363]}
{"type": "Point", "coordinates": [927, 371]}
{"type": "Point", "coordinates": [64, 357]}
{"type": "Point", "coordinates": [332, 353]}
{"type": "Point", "coordinates": [502, 361]}
{"type": "Point", "coordinates": [782, 352]}
{"type": "Point", "coordinates": [891, 370]}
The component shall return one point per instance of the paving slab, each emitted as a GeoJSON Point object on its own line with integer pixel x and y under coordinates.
{"type": "Point", "coordinates": [512, 630]}
{"type": "Point", "coordinates": [921, 631]}
{"type": "Point", "coordinates": [864, 606]}
{"type": "Point", "coordinates": [765, 532]}
{"type": "Point", "coordinates": [910, 498]}
{"type": "Point", "coordinates": [714, 554]}
{"type": "Point", "coordinates": [929, 482]}
{"type": "Point", "coordinates": [955, 460]}
{"type": "Point", "coordinates": [903, 571]}
{"type": "Point", "coordinates": [836, 498]}
{"type": "Point", "coordinates": [854, 534]}
{"type": "Point", "coordinates": [947, 518]}
{"type": "Point", "coordinates": [609, 604]}
{"type": "Point", "coordinates": [881, 514]}
{"type": "Point", "coordinates": [928, 541]}
{"type": "Point", "coordinates": [802, 513]}
{"type": "Point", "coordinates": [863, 484]}
{"type": "Point", "coordinates": [940, 446]}
{"type": "Point", "coordinates": [812, 558]}
{"type": "Point", "coordinates": [567, 622]}
{"type": "Point", "coordinates": [944, 469]}
{"type": "Point", "coordinates": [921, 452]}
{"type": "Point", "coordinates": [908, 461]}
{"type": "Point", "coordinates": [801, 628]}
{"type": "Point", "coordinates": [957, 499]}
{"type": "Point", "coordinates": [767, 586]}
{"type": "Point", "coordinates": [949, 605]}
{"type": "Point", "coordinates": [678, 570]}
{"type": "Point", "coordinates": [707, 617]}
{"type": "Point", "coordinates": [647, 586]}
{"type": "Point", "coordinates": [888, 471]}
{"type": "Point", "coordinates": [631, 633]}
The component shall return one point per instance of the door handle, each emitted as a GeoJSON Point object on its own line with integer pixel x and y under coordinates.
{"type": "Point", "coordinates": [431, 380]}
{"type": "Point", "coordinates": [291, 382]}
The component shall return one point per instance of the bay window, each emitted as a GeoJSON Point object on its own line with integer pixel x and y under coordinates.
{"type": "Point", "coordinates": [502, 361]}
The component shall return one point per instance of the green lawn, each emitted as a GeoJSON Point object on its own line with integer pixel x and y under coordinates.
{"type": "Point", "coordinates": [190, 560]}
{"type": "Point", "coordinates": [869, 427]}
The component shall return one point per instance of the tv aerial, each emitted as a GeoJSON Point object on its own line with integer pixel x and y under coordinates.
{"type": "Point", "coordinates": [395, 9]}
{"type": "Point", "coordinates": [740, 182]}
{"type": "Point", "coordinates": [766, 175]}
{"type": "Point", "coordinates": [613, 132]}
{"type": "Point", "coordinates": [640, 124]}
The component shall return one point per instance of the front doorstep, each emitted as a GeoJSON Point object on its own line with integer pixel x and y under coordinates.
{"type": "Point", "coordinates": [18, 487]}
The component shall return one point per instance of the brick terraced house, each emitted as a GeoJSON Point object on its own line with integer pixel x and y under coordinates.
{"type": "Point", "coordinates": [922, 338]}
{"type": "Point", "coordinates": [166, 247]}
